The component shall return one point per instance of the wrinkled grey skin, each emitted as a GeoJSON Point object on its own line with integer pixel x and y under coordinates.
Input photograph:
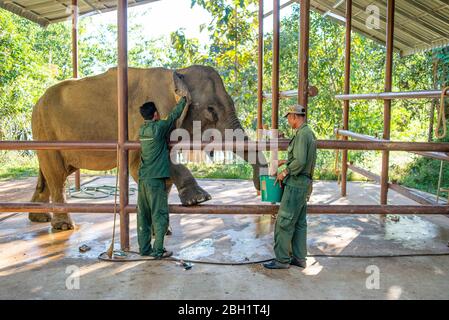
{"type": "Point", "coordinates": [86, 110]}
{"type": "Point", "coordinates": [213, 106]}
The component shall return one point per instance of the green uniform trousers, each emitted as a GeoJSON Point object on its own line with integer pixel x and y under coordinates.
{"type": "Point", "coordinates": [152, 212]}
{"type": "Point", "coordinates": [290, 233]}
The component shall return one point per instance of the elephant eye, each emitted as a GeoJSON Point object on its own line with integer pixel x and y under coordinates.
{"type": "Point", "coordinates": [213, 113]}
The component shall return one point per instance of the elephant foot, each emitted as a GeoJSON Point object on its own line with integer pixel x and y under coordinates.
{"type": "Point", "coordinates": [193, 196]}
{"type": "Point", "coordinates": [62, 222]}
{"type": "Point", "coordinates": [39, 217]}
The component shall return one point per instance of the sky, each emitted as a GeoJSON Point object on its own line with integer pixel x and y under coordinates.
{"type": "Point", "coordinates": [160, 18]}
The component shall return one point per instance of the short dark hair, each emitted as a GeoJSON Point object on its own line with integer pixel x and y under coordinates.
{"type": "Point", "coordinates": [147, 110]}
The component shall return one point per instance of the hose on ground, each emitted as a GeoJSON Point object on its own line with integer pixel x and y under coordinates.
{"type": "Point", "coordinates": [345, 256]}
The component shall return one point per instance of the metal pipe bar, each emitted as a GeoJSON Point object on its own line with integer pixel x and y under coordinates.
{"type": "Point", "coordinates": [312, 90]}
{"type": "Point", "coordinates": [122, 94]}
{"type": "Point", "coordinates": [312, 209]}
{"type": "Point", "coordinates": [228, 209]}
{"type": "Point", "coordinates": [275, 72]}
{"type": "Point", "coordinates": [433, 155]}
{"type": "Point", "coordinates": [405, 192]}
{"type": "Point", "coordinates": [74, 38]}
{"type": "Point", "coordinates": [269, 13]}
{"type": "Point", "coordinates": [368, 174]}
{"type": "Point", "coordinates": [59, 145]}
{"type": "Point", "coordinates": [275, 85]}
{"type": "Point", "coordinates": [260, 74]}
{"type": "Point", "coordinates": [387, 103]}
{"type": "Point", "coordinates": [394, 186]}
{"type": "Point", "coordinates": [280, 144]}
{"type": "Point", "coordinates": [303, 54]}
{"type": "Point", "coordinates": [282, 94]}
{"type": "Point", "coordinates": [75, 13]}
{"type": "Point", "coordinates": [428, 94]}
{"type": "Point", "coordinates": [39, 207]}
{"type": "Point", "coordinates": [347, 88]}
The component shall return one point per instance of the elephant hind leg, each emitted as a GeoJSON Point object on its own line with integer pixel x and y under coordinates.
{"type": "Point", "coordinates": [41, 194]}
{"type": "Point", "coordinates": [55, 173]}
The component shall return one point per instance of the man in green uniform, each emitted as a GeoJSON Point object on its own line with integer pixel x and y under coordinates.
{"type": "Point", "coordinates": [290, 234]}
{"type": "Point", "coordinates": [152, 202]}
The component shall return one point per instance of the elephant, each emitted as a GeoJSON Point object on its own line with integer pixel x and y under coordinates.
{"type": "Point", "coordinates": [86, 109]}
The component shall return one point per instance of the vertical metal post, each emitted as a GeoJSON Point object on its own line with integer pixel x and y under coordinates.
{"type": "Point", "coordinates": [122, 93]}
{"type": "Point", "coordinates": [347, 89]}
{"type": "Point", "coordinates": [439, 182]}
{"type": "Point", "coordinates": [387, 103]}
{"type": "Point", "coordinates": [75, 66]}
{"type": "Point", "coordinates": [304, 30]}
{"type": "Point", "coordinates": [275, 75]}
{"type": "Point", "coordinates": [260, 74]}
{"type": "Point", "coordinates": [275, 83]}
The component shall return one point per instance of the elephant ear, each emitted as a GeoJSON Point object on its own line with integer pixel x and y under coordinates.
{"type": "Point", "coordinates": [181, 90]}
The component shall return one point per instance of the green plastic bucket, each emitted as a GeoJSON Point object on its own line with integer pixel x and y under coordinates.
{"type": "Point", "coordinates": [269, 191]}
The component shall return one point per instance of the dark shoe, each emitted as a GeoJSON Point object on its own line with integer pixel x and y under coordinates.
{"type": "Point", "coordinates": [298, 262]}
{"type": "Point", "coordinates": [165, 254]}
{"type": "Point", "coordinates": [274, 264]}
{"type": "Point", "coordinates": [169, 231]}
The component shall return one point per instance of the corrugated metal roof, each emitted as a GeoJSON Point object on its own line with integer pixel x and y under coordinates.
{"type": "Point", "coordinates": [45, 12]}
{"type": "Point", "coordinates": [420, 25]}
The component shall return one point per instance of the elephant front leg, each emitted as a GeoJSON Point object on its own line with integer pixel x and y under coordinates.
{"type": "Point", "coordinates": [189, 191]}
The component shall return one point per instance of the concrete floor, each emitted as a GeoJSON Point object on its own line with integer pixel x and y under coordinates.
{"type": "Point", "coordinates": [38, 263]}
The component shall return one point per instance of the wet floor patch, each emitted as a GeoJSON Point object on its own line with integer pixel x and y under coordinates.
{"type": "Point", "coordinates": [234, 238]}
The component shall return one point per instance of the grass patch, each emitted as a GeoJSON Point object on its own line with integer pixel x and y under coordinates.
{"type": "Point", "coordinates": [15, 165]}
{"type": "Point", "coordinates": [221, 171]}
{"type": "Point", "coordinates": [18, 172]}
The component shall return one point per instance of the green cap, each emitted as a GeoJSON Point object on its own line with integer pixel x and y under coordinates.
{"type": "Point", "coordinates": [296, 109]}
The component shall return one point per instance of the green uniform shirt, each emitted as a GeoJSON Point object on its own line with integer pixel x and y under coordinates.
{"type": "Point", "coordinates": [155, 160]}
{"type": "Point", "coordinates": [301, 156]}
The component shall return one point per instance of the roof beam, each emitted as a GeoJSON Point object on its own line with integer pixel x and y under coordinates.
{"type": "Point", "coordinates": [433, 14]}
{"type": "Point", "coordinates": [381, 30]}
{"type": "Point", "coordinates": [41, 5]}
{"type": "Point", "coordinates": [398, 28]}
{"type": "Point", "coordinates": [379, 34]}
{"type": "Point", "coordinates": [23, 12]}
{"type": "Point", "coordinates": [288, 3]}
{"type": "Point", "coordinates": [422, 22]}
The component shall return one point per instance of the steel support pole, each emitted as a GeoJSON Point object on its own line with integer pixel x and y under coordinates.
{"type": "Point", "coordinates": [122, 92]}
{"type": "Point", "coordinates": [275, 75]}
{"type": "Point", "coordinates": [260, 74]}
{"type": "Point", "coordinates": [344, 166]}
{"type": "Point", "coordinates": [425, 94]}
{"type": "Point", "coordinates": [275, 84]}
{"type": "Point", "coordinates": [251, 209]}
{"type": "Point", "coordinates": [370, 144]}
{"type": "Point", "coordinates": [387, 103]}
{"type": "Point", "coordinates": [303, 55]}
{"type": "Point", "coordinates": [75, 66]}
{"type": "Point", "coordinates": [430, 154]}
{"type": "Point", "coordinates": [394, 186]}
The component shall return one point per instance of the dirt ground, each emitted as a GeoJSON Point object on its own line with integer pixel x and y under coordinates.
{"type": "Point", "coordinates": [39, 263]}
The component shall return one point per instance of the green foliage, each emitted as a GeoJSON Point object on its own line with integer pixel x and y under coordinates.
{"type": "Point", "coordinates": [221, 171]}
{"type": "Point", "coordinates": [32, 59]}
{"type": "Point", "coordinates": [14, 165]}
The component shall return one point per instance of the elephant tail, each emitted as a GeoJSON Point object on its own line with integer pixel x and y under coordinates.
{"type": "Point", "coordinates": [41, 182]}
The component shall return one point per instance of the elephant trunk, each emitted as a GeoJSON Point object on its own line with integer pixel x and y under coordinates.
{"type": "Point", "coordinates": [255, 158]}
